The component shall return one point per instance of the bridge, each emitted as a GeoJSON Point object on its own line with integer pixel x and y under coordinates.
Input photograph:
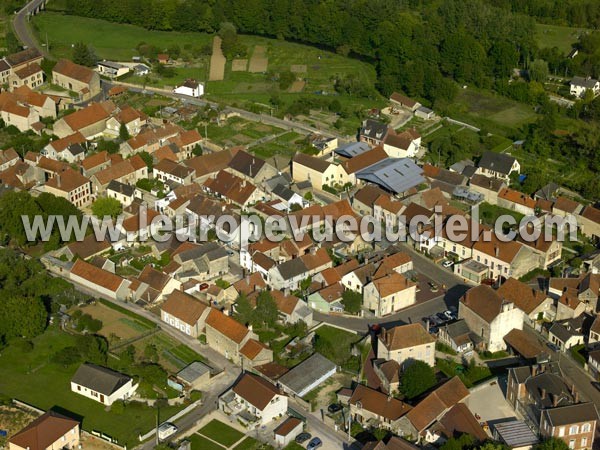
{"type": "Point", "coordinates": [21, 24]}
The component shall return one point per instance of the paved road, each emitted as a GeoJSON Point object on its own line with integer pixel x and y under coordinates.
{"type": "Point", "coordinates": [264, 118]}
{"type": "Point", "coordinates": [22, 29]}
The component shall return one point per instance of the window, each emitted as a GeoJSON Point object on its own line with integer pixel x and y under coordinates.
{"type": "Point", "coordinates": [561, 431]}
{"type": "Point", "coordinates": [574, 429]}
{"type": "Point", "coordinates": [585, 428]}
{"type": "Point", "coordinates": [584, 442]}
{"type": "Point", "coordinates": [572, 443]}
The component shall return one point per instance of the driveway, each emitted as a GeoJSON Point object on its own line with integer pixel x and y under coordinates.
{"type": "Point", "coordinates": [488, 402]}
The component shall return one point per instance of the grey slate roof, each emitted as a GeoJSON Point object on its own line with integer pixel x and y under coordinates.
{"type": "Point", "coordinates": [246, 164]}
{"type": "Point", "coordinates": [515, 433]}
{"type": "Point", "coordinates": [352, 149]}
{"type": "Point", "coordinates": [394, 175]}
{"type": "Point", "coordinates": [553, 386]}
{"type": "Point", "coordinates": [458, 328]}
{"type": "Point", "coordinates": [374, 129]}
{"type": "Point", "coordinates": [76, 149]}
{"type": "Point", "coordinates": [498, 162]}
{"type": "Point", "coordinates": [587, 83]}
{"type": "Point", "coordinates": [283, 192]}
{"type": "Point", "coordinates": [306, 373]}
{"type": "Point", "coordinates": [563, 333]}
{"type": "Point", "coordinates": [99, 379]}
{"type": "Point", "coordinates": [292, 268]}
{"type": "Point", "coordinates": [193, 371]}
{"type": "Point", "coordinates": [580, 412]}
{"type": "Point", "coordinates": [121, 188]}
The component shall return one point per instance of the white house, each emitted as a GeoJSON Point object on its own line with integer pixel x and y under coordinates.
{"type": "Point", "coordinates": [579, 86]}
{"type": "Point", "coordinates": [489, 316]}
{"type": "Point", "coordinates": [190, 88]}
{"type": "Point", "coordinates": [260, 400]}
{"type": "Point", "coordinates": [102, 384]}
{"type": "Point", "coordinates": [111, 69]}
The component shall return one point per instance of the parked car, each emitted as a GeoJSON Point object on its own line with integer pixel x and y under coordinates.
{"type": "Point", "coordinates": [434, 287]}
{"type": "Point", "coordinates": [553, 347]}
{"type": "Point", "coordinates": [302, 437]}
{"type": "Point", "coordinates": [334, 407]}
{"type": "Point", "coordinates": [447, 264]}
{"type": "Point", "coordinates": [204, 286]}
{"type": "Point", "coordinates": [434, 320]}
{"type": "Point", "coordinates": [314, 444]}
{"type": "Point", "coordinates": [433, 330]}
{"type": "Point", "coordinates": [442, 317]}
{"type": "Point", "coordinates": [449, 315]}
{"type": "Point", "coordinates": [596, 385]}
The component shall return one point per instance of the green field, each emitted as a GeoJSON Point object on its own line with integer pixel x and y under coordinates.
{"type": "Point", "coordinates": [32, 378]}
{"type": "Point", "coordinates": [549, 36]}
{"type": "Point", "coordinates": [496, 114]}
{"type": "Point", "coordinates": [201, 443]}
{"type": "Point", "coordinates": [221, 433]}
{"type": "Point", "coordinates": [109, 40]}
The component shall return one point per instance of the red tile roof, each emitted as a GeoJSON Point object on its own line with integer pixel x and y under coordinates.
{"type": "Point", "coordinates": [227, 326]}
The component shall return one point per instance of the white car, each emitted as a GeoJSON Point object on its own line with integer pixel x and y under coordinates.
{"type": "Point", "coordinates": [166, 430]}
{"type": "Point", "coordinates": [447, 264]}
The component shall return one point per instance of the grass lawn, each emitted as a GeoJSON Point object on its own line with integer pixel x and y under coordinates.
{"type": "Point", "coordinates": [490, 213]}
{"type": "Point", "coordinates": [173, 356]}
{"type": "Point", "coordinates": [548, 36]}
{"type": "Point", "coordinates": [248, 444]}
{"type": "Point", "coordinates": [222, 433]}
{"type": "Point", "coordinates": [337, 345]}
{"type": "Point", "coordinates": [497, 114]}
{"type": "Point", "coordinates": [32, 378]}
{"type": "Point", "coordinates": [201, 443]}
{"type": "Point", "coordinates": [109, 40]}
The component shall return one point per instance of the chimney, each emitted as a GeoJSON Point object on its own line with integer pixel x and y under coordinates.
{"type": "Point", "coordinates": [554, 400]}
{"type": "Point", "coordinates": [543, 393]}
{"type": "Point", "coordinates": [533, 371]}
{"type": "Point", "coordinates": [250, 327]}
{"type": "Point", "coordinates": [576, 397]}
{"type": "Point", "coordinates": [497, 250]}
{"type": "Point", "coordinates": [573, 389]}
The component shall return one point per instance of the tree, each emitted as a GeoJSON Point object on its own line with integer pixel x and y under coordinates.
{"type": "Point", "coordinates": [123, 132]}
{"type": "Point", "coordinates": [107, 207]}
{"type": "Point", "coordinates": [266, 311]}
{"type": "Point", "coordinates": [151, 353]}
{"type": "Point", "coordinates": [551, 444]}
{"type": "Point", "coordinates": [286, 78]}
{"type": "Point", "coordinates": [538, 70]}
{"type": "Point", "coordinates": [147, 157]}
{"type": "Point", "coordinates": [84, 55]}
{"type": "Point", "coordinates": [243, 310]}
{"type": "Point", "coordinates": [22, 316]}
{"type": "Point", "coordinates": [416, 379]}
{"type": "Point", "coordinates": [352, 301]}
{"type": "Point", "coordinates": [12, 43]}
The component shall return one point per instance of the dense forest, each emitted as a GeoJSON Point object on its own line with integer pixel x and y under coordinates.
{"type": "Point", "coordinates": [575, 13]}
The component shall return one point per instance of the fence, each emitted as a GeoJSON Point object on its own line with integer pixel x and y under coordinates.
{"type": "Point", "coordinates": [173, 418]}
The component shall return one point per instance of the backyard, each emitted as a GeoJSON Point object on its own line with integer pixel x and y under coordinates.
{"type": "Point", "coordinates": [549, 36]}
{"type": "Point", "coordinates": [32, 377]}
{"type": "Point", "coordinates": [217, 435]}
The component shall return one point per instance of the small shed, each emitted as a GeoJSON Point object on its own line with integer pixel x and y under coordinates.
{"type": "Point", "coordinates": [287, 431]}
{"type": "Point", "coordinates": [194, 375]}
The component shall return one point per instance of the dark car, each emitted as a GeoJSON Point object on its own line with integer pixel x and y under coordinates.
{"type": "Point", "coordinates": [596, 385]}
{"type": "Point", "coordinates": [334, 407]}
{"type": "Point", "coordinates": [434, 320]}
{"type": "Point", "coordinates": [442, 317]}
{"type": "Point", "coordinates": [552, 347]}
{"type": "Point", "coordinates": [303, 437]}
{"type": "Point", "coordinates": [314, 444]}
{"type": "Point", "coordinates": [433, 330]}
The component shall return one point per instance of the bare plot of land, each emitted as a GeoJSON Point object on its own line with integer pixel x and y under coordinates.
{"type": "Point", "coordinates": [239, 65]}
{"type": "Point", "coordinates": [297, 86]}
{"type": "Point", "coordinates": [242, 139]}
{"type": "Point", "coordinates": [14, 419]}
{"type": "Point", "coordinates": [298, 68]}
{"type": "Point", "coordinates": [217, 61]}
{"type": "Point", "coordinates": [259, 61]}
{"type": "Point", "coordinates": [113, 322]}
